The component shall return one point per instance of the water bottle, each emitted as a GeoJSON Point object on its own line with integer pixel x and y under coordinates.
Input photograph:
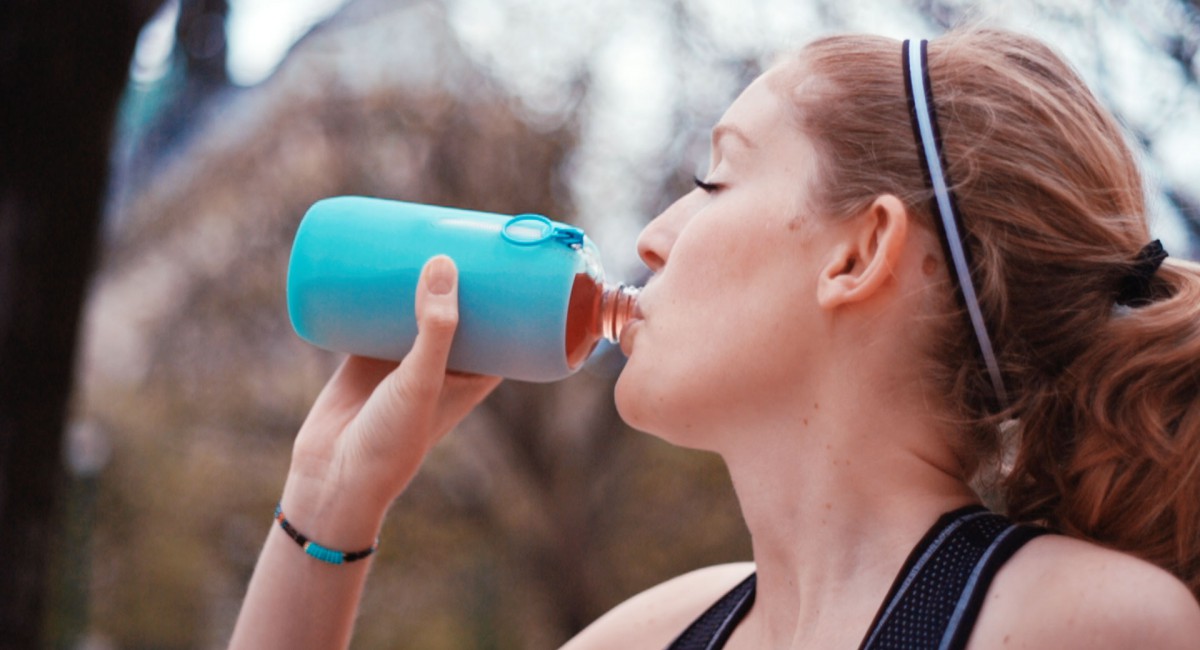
{"type": "Point", "coordinates": [533, 303]}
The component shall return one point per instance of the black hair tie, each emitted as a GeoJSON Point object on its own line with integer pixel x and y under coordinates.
{"type": "Point", "coordinates": [1134, 290]}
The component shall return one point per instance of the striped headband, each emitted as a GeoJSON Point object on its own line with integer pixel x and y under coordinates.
{"type": "Point", "coordinates": [929, 149]}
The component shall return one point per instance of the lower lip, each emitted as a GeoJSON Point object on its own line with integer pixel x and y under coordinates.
{"type": "Point", "coordinates": [627, 336]}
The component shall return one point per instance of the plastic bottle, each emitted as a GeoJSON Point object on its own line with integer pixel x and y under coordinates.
{"type": "Point", "coordinates": [532, 299]}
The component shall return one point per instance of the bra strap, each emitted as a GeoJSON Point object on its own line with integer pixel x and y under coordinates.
{"type": "Point", "coordinates": [712, 629]}
{"type": "Point", "coordinates": [937, 596]}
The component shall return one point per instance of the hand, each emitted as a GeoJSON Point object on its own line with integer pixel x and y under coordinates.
{"type": "Point", "coordinates": [374, 422]}
{"type": "Point", "coordinates": [363, 441]}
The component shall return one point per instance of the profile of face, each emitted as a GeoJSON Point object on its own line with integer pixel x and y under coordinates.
{"type": "Point", "coordinates": [730, 319]}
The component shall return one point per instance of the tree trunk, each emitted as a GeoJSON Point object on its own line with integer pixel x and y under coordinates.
{"type": "Point", "coordinates": [63, 66]}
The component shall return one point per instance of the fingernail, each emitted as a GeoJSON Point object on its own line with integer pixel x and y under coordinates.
{"type": "Point", "coordinates": [441, 275]}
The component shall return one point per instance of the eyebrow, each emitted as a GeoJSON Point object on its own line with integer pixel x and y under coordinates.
{"type": "Point", "coordinates": [721, 130]}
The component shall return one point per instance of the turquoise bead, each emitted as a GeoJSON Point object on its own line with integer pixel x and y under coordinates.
{"type": "Point", "coordinates": [323, 554]}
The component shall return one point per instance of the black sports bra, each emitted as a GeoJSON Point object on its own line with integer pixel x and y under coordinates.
{"type": "Point", "coordinates": [934, 601]}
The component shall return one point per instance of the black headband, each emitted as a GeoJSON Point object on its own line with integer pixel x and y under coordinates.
{"type": "Point", "coordinates": [945, 209]}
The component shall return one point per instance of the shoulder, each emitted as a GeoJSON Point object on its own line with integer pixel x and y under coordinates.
{"type": "Point", "coordinates": [656, 616]}
{"type": "Point", "coordinates": [1065, 593]}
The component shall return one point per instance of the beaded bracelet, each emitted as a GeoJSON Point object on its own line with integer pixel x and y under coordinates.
{"type": "Point", "coordinates": [316, 550]}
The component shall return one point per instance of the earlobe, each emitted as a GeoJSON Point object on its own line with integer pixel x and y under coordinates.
{"type": "Point", "coordinates": [863, 263]}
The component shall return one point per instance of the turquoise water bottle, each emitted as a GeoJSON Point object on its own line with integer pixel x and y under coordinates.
{"type": "Point", "coordinates": [532, 299]}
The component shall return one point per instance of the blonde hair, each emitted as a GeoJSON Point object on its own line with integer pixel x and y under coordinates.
{"type": "Point", "coordinates": [1107, 398]}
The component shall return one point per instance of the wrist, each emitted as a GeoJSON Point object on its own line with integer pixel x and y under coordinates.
{"type": "Point", "coordinates": [316, 549]}
{"type": "Point", "coordinates": [333, 516]}
{"type": "Point", "coordinates": [327, 478]}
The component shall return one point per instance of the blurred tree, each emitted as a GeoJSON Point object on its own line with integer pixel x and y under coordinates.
{"type": "Point", "coordinates": [200, 34]}
{"type": "Point", "coordinates": [540, 514]}
{"type": "Point", "coordinates": [62, 68]}
{"type": "Point", "coordinates": [1183, 47]}
{"type": "Point", "coordinates": [543, 510]}
{"type": "Point", "coordinates": [200, 54]}
{"type": "Point", "coordinates": [196, 79]}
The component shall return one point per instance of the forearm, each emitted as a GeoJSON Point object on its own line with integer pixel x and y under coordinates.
{"type": "Point", "coordinates": [296, 601]}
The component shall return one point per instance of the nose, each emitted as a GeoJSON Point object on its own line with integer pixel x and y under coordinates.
{"type": "Point", "coordinates": [657, 239]}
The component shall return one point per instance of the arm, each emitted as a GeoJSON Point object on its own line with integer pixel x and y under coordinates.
{"type": "Point", "coordinates": [363, 441]}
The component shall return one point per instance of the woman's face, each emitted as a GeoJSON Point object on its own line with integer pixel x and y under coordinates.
{"type": "Point", "coordinates": [729, 321]}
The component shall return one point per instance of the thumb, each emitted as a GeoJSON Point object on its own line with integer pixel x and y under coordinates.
{"type": "Point", "coordinates": [437, 319]}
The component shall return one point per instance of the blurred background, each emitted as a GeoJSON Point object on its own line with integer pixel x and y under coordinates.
{"type": "Point", "coordinates": [157, 158]}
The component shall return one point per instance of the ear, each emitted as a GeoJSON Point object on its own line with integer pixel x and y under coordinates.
{"type": "Point", "coordinates": [866, 257]}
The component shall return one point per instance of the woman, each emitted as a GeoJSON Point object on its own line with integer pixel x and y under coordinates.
{"type": "Point", "coordinates": [915, 269]}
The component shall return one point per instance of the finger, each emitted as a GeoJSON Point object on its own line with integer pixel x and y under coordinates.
{"type": "Point", "coordinates": [460, 394]}
{"type": "Point", "coordinates": [360, 375]}
{"type": "Point", "coordinates": [351, 384]}
{"type": "Point", "coordinates": [468, 383]}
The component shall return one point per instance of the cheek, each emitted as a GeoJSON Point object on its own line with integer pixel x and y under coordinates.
{"type": "Point", "coordinates": [669, 373]}
{"type": "Point", "coordinates": [720, 329]}
{"type": "Point", "coordinates": [694, 370]}
{"type": "Point", "coordinates": [690, 372]}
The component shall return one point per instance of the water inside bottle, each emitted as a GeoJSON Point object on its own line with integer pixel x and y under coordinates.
{"type": "Point", "coordinates": [583, 319]}
{"type": "Point", "coordinates": [594, 312]}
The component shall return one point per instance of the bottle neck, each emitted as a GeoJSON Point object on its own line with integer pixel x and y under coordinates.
{"type": "Point", "coordinates": [617, 307]}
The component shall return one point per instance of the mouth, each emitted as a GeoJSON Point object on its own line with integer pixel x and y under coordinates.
{"type": "Point", "coordinates": [627, 332]}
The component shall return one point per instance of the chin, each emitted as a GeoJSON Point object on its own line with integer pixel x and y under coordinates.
{"type": "Point", "coordinates": [634, 397]}
{"type": "Point", "coordinates": [650, 411]}
{"type": "Point", "coordinates": [626, 398]}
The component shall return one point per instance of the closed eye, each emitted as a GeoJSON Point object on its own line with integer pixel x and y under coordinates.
{"type": "Point", "coordinates": [707, 187]}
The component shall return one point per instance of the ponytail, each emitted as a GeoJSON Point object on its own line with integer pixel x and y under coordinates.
{"type": "Point", "coordinates": [1112, 452]}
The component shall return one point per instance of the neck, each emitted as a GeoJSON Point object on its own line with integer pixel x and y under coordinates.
{"type": "Point", "coordinates": [835, 495]}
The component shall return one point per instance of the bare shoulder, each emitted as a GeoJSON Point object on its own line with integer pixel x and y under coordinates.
{"type": "Point", "coordinates": [1059, 592]}
{"type": "Point", "coordinates": [653, 618]}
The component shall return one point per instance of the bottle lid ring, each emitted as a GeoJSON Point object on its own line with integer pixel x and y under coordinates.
{"type": "Point", "coordinates": [528, 229]}
{"type": "Point", "coordinates": [532, 229]}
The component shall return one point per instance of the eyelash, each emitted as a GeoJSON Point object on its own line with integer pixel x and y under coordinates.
{"type": "Point", "coordinates": [707, 187]}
